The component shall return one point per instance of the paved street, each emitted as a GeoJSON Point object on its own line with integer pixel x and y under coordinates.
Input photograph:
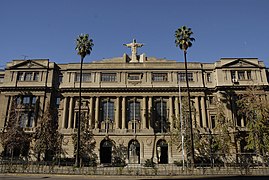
{"type": "Point", "coordinates": [81, 177]}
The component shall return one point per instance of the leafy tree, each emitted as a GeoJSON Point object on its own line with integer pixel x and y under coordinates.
{"type": "Point", "coordinates": [184, 41]}
{"type": "Point", "coordinates": [84, 47]}
{"type": "Point", "coordinates": [87, 142]}
{"type": "Point", "coordinates": [119, 154]}
{"type": "Point", "coordinates": [47, 139]}
{"type": "Point", "coordinates": [182, 127]}
{"type": "Point", "coordinates": [255, 108]}
{"type": "Point", "coordinates": [221, 142]}
{"type": "Point", "coordinates": [13, 138]}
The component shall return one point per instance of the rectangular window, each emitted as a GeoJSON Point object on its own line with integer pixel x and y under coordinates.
{"type": "Point", "coordinates": [26, 100]}
{"type": "Point", "coordinates": [249, 75]}
{"type": "Point", "coordinates": [213, 121]}
{"type": "Point", "coordinates": [28, 76]}
{"type": "Point", "coordinates": [20, 76]}
{"type": "Point", "coordinates": [108, 77]}
{"type": "Point", "coordinates": [86, 77]}
{"type": "Point", "coordinates": [159, 77]}
{"type": "Point", "coordinates": [1, 79]}
{"type": "Point", "coordinates": [208, 77]}
{"type": "Point", "coordinates": [36, 76]}
{"type": "Point", "coordinates": [134, 111]}
{"type": "Point", "coordinates": [58, 101]}
{"type": "Point", "coordinates": [182, 76]}
{"type": "Point", "coordinates": [241, 75]}
{"type": "Point", "coordinates": [60, 78]}
{"type": "Point", "coordinates": [233, 75]}
{"type": "Point", "coordinates": [108, 111]}
{"type": "Point", "coordinates": [134, 77]}
{"type": "Point", "coordinates": [161, 124]}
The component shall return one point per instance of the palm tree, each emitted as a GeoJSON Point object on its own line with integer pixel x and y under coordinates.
{"type": "Point", "coordinates": [84, 48]}
{"type": "Point", "coordinates": [184, 41]}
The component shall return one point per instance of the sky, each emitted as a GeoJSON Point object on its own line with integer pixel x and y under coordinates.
{"type": "Point", "coordinates": [47, 29]}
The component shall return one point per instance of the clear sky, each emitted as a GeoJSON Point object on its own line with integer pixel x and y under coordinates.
{"type": "Point", "coordinates": [48, 28]}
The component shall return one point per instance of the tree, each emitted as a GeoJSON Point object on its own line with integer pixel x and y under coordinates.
{"type": "Point", "coordinates": [254, 107]}
{"type": "Point", "coordinates": [184, 41]}
{"type": "Point", "coordinates": [221, 140]}
{"type": "Point", "coordinates": [176, 133]}
{"type": "Point", "coordinates": [87, 142]}
{"type": "Point", "coordinates": [84, 47]}
{"type": "Point", "coordinates": [13, 137]}
{"type": "Point", "coordinates": [47, 139]}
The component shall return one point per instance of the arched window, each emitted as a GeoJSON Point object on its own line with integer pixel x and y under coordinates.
{"type": "Point", "coordinates": [134, 152]}
{"type": "Point", "coordinates": [162, 151]}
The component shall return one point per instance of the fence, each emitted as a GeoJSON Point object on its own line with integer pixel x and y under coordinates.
{"type": "Point", "coordinates": [133, 170]}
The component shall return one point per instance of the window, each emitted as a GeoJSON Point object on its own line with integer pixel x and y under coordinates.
{"type": "Point", "coordinates": [107, 110]}
{"type": "Point", "coordinates": [108, 77]}
{"type": "Point", "coordinates": [133, 111]}
{"type": "Point", "coordinates": [241, 75]}
{"type": "Point", "coordinates": [86, 77]}
{"type": "Point", "coordinates": [159, 77]}
{"type": "Point", "coordinates": [249, 75]}
{"type": "Point", "coordinates": [233, 76]}
{"type": "Point", "coordinates": [208, 77]}
{"type": "Point", "coordinates": [182, 76]}
{"type": "Point", "coordinates": [26, 100]}
{"type": "Point", "coordinates": [161, 116]}
{"type": "Point", "coordinates": [213, 121]}
{"type": "Point", "coordinates": [36, 76]}
{"type": "Point", "coordinates": [20, 76]}
{"type": "Point", "coordinates": [58, 101]}
{"type": "Point", "coordinates": [211, 99]}
{"type": "Point", "coordinates": [60, 78]}
{"type": "Point", "coordinates": [134, 77]}
{"type": "Point", "coordinates": [27, 119]}
{"type": "Point", "coordinates": [28, 76]}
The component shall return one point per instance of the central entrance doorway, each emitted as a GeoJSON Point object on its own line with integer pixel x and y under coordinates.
{"type": "Point", "coordinates": [105, 152]}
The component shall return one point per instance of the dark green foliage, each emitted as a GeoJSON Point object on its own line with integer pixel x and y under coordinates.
{"type": "Point", "coordinates": [150, 163]}
{"type": "Point", "coordinates": [13, 138]}
{"type": "Point", "coordinates": [47, 139]}
{"type": "Point", "coordinates": [87, 142]}
{"type": "Point", "coordinates": [119, 155]}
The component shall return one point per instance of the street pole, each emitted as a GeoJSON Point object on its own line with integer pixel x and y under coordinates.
{"type": "Point", "coordinates": [77, 163]}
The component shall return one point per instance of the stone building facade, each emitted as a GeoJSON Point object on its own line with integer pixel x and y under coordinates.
{"type": "Point", "coordinates": [131, 102]}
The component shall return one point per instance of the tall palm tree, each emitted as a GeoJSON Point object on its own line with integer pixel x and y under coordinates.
{"type": "Point", "coordinates": [84, 47]}
{"type": "Point", "coordinates": [184, 41]}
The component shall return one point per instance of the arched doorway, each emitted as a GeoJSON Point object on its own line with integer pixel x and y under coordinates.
{"type": "Point", "coordinates": [162, 152]}
{"type": "Point", "coordinates": [105, 152]}
{"type": "Point", "coordinates": [134, 152]}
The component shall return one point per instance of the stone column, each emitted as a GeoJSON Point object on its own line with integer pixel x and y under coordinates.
{"type": "Point", "coordinates": [123, 115]}
{"type": "Point", "coordinates": [91, 113]}
{"type": "Point", "coordinates": [171, 113]}
{"type": "Point", "coordinates": [96, 112]}
{"type": "Point", "coordinates": [117, 118]}
{"type": "Point", "coordinates": [64, 113]}
{"type": "Point", "coordinates": [144, 119]}
{"type": "Point", "coordinates": [150, 112]}
{"type": "Point", "coordinates": [197, 109]}
{"type": "Point", "coordinates": [71, 114]}
{"type": "Point", "coordinates": [177, 108]}
{"type": "Point", "coordinates": [203, 111]}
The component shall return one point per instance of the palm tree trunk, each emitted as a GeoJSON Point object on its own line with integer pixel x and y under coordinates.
{"type": "Point", "coordinates": [189, 105]}
{"type": "Point", "coordinates": [77, 163]}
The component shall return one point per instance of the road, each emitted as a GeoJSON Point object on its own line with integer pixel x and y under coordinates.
{"type": "Point", "coordinates": [82, 177]}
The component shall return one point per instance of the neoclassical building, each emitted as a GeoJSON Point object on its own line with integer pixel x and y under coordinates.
{"type": "Point", "coordinates": [128, 100]}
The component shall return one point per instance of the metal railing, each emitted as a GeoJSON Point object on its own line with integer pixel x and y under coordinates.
{"type": "Point", "coordinates": [132, 169]}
